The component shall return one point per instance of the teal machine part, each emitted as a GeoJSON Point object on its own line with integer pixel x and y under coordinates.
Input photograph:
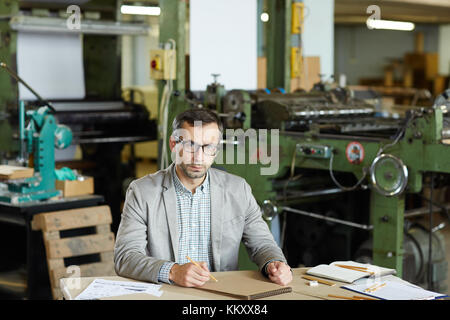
{"type": "Point", "coordinates": [40, 138]}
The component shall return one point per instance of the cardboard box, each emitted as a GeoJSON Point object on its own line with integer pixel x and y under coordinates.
{"type": "Point", "coordinates": [71, 188]}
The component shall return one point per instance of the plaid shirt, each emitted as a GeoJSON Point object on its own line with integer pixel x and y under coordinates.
{"type": "Point", "coordinates": [194, 225]}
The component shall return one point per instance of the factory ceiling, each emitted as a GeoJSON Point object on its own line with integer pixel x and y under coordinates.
{"type": "Point", "coordinates": [417, 11]}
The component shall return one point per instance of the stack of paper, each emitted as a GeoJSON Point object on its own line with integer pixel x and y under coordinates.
{"type": "Point", "coordinates": [392, 289]}
{"type": "Point", "coordinates": [100, 288]}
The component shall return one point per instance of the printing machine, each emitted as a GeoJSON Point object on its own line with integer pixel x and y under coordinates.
{"type": "Point", "coordinates": [102, 122]}
{"type": "Point", "coordinates": [350, 180]}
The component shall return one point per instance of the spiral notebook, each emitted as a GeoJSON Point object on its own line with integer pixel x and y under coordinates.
{"type": "Point", "coordinates": [248, 286]}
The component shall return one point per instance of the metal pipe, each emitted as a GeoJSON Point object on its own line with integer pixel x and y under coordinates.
{"type": "Point", "coordinates": [19, 79]}
{"type": "Point", "coordinates": [22, 131]}
{"type": "Point", "coordinates": [44, 24]}
{"type": "Point", "coordinates": [322, 217]}
{"type": "Point", "coordinates": [424, 210]}
{"type": "Point", "coordinates": [314, 193]}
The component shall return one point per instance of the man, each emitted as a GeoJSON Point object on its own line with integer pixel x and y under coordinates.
{"type": "Point", "coordinates": [192, 210]}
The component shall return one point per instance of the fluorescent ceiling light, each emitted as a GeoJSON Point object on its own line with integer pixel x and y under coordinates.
{"type": "Point", "coordinates": [390, 25]}
{"type": "Point", "coordinates": [149, 11]}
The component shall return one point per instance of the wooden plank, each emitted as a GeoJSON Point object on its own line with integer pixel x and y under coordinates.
{"type": "Point", "coordinates": [97, 269]}
{"type": "Point", "coordinates": [75, 218]}
{"type": "Point", "coordinates": [103, 228]}
{"type": "Point", "coordinates": [107, 257]}
{"type": "Point", "coordinates": [36, 223]}
{"type": "Point", "coordinates": [78, 246]}
{"type": "Point", "coordinates": [14, 172]}
{"type": "Point", "coordinates": [51, 235]}
{"type": "Point", "coordinates": [55, 263]}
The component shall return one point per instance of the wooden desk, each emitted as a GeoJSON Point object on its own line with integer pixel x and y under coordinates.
{"type": "Point", "coordinates": [300, 290]}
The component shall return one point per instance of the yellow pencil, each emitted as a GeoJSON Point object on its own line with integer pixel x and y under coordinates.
{"type": "Point", "coordinates": [361, 269]}
{"type": "Point", "coordinates": [371, 287]}
{"type": "Point", "coordinates": [195, 263]}
{"type": "Point", "coordinates": [363, 298]}
{"type": "Point", "coordinates": [376, 288]}
{"type": "Point", "coordinates": [328, 283]}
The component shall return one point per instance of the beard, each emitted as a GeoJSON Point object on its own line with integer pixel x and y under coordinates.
{"type": "Point", "coordinates": [194, 173]}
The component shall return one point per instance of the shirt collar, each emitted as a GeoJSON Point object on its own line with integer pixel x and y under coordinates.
{"type": "Point", "coordinates": [179, 187]}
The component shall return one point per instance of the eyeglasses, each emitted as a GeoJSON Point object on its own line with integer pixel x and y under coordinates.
{"type": "Point", "coordinates": [191, 146]}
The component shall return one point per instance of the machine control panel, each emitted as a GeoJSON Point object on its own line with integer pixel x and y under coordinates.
{"type": "Point", "coordinates": [163, 64]}
{"type": "Point", "coordinates": [314, 151]}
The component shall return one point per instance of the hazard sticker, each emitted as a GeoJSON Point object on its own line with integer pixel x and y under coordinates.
{"type": "Point", "coordinates": [354, 152]}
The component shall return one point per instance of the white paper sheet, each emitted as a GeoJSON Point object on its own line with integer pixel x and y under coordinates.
{"type": "Point", "coordinates": [52, 64]}
{"type": "Point", "coordinates": [100, 288]}
{"type": "Point", "coordinates": [223, 40]}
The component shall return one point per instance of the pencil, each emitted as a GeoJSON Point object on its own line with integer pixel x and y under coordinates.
{"type": "Point", "coordinates": [363, 298]}
{"type": "Point", "coordinates": [350, 267]}
{"type": "Point", "coordinates": [376, 288]}
{"type": "Point", "coordinates": [371, 287]}
{"type": "Point", "coordinates": [328, 283]}
{"type": "Point", "coordinates": [361, 269]}
{"type": "Point", "coordinates": [195, 263]}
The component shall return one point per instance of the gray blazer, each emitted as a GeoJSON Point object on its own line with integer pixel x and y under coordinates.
{"type": "Point", "coordinates": [148, 231]}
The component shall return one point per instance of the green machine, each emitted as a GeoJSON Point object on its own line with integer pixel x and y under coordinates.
{"type": "Point", "coordinates": [332, 151]}
{"type": "Point", "coordinates": [39, 139]}
{"type": "Point", "coordinates": [335, 177]}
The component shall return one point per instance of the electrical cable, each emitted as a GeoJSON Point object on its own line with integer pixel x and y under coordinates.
{"type": "Point", "coordinates": [397, 138]}
{"type": "Point", "coordinates": [337, 183]}
{"type": "Point", "coordinates": [164, 108]}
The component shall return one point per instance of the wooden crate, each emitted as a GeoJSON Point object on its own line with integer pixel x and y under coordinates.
{"type": "Point", "coordinates": [57, 248]}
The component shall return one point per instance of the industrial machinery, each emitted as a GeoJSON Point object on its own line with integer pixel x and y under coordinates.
{"type": "Point", "coordinates": [345, 178]}
{"type": "Point", "coordinates": [337, 178]}
{"type": "Point", "coordinates": [87, 61]}
{"type": "Point", "coordinates": [41, 137]}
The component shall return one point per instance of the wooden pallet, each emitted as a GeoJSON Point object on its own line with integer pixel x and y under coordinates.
{"type": "Point", "coordinates": [57, 248]}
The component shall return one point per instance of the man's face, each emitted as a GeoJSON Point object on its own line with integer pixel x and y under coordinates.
{"type": "Point", "coordinates": [190, 157]}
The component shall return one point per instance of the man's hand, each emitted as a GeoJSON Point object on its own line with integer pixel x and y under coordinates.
{"type": "Point", "coordinates": [189, 275]}
{"type": "Point", "coordinates": [279, 272]}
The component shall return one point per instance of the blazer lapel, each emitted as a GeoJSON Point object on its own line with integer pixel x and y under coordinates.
{"type": "Point", "coordinates": [169, 197]}
{"type": "Point", "coordinates": [217, 201]}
